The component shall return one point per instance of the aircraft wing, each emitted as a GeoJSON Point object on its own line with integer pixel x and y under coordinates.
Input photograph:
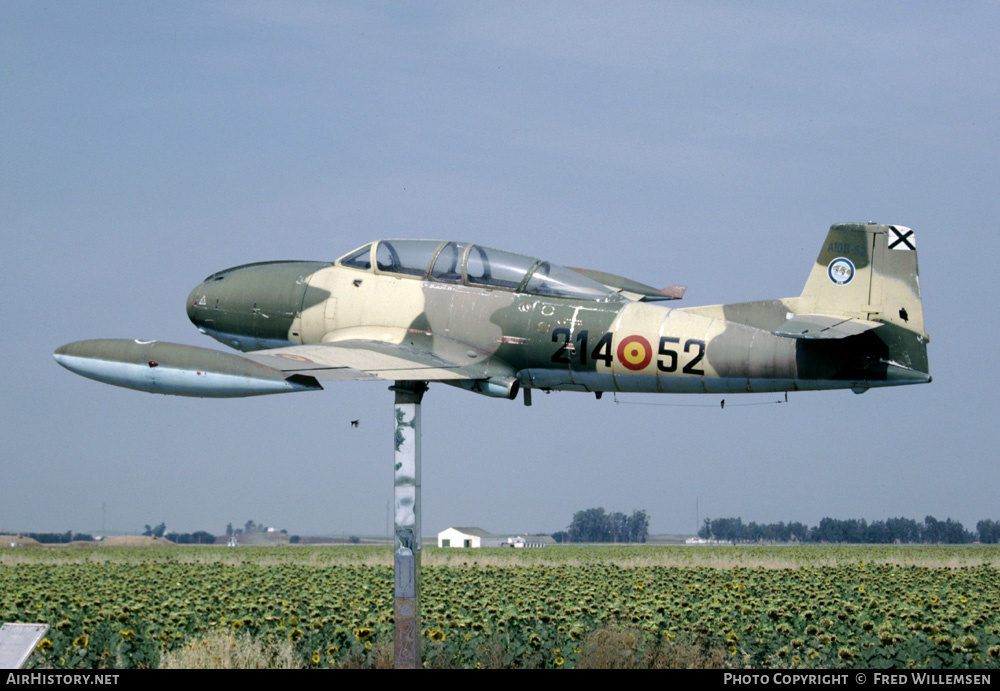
{"type": "Point", "coordinates": [367, 358]}
{"type": "Point", "coordinates": [358, 353]}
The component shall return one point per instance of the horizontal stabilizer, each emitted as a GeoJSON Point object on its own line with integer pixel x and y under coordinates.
{"type": "Point", "coordinates": [822, 326]}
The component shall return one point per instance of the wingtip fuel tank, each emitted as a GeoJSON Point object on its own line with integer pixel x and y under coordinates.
{"type": "Point", "coordinates": [172, 368]}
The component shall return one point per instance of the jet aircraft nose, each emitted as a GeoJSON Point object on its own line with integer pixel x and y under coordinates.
{"type": "Point", "coordinates": [197, 295]}
{"type": "Point", "coordinates": [253, 306]}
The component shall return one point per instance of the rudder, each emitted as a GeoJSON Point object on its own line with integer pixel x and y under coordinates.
{"type": "Point", "coordinates": [867, 271]}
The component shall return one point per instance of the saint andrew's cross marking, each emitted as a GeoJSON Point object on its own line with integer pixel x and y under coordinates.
{"type": "Point", "coordinates": [901, 238]}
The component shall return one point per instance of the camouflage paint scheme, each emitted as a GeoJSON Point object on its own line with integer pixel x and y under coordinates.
{"type": "Point", "coordinates": [493, 322]}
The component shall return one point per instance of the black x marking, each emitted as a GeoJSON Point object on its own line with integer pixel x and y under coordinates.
{"type": "Point", "coordinates": [901, 238]}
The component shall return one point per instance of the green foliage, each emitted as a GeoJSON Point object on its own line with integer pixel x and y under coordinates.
{"type": "Point", "coordinates": [158, 531]}
{"type": "Point", "coordinates": [833, 530]}
{"type": "Point", "coordinates": [988, 531]}
{"type": "Point", "coordinates": [594, 525]}
{"type": "Point", "coordinates": [56, 538]}
{"type": "Point", "coordinates": [201, 537]}
{"type": "Point", "coordinates": [559, 607]}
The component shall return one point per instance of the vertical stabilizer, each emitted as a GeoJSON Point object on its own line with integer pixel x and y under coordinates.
{"type": "Point", "coordinates": [867, 271]}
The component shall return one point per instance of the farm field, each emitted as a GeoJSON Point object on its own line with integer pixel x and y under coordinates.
{"type": "Point", "coordinates": [743, 606]}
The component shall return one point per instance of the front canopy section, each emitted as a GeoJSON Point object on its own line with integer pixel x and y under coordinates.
{"type": "Point", "coordinates": [463, 263]}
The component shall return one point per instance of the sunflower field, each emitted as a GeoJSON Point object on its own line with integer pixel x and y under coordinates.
{"type": "Point", "coordinates": [865, 607]}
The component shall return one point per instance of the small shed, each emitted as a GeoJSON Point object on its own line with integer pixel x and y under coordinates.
{"type": "Point", "coordinates": [522, 541]}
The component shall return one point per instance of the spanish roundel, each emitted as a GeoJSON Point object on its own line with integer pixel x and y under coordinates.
{"type": "Point", "coordinates": [634, 352]}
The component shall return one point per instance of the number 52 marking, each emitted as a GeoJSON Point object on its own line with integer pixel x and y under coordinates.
{"type": "Point", "coordinates": [671, 364]}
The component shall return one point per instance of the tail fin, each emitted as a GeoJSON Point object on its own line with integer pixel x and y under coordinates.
{"type": "Point", "coordinates": [859, 317]}
{"type": "Point", "coordinates": [867, 272]}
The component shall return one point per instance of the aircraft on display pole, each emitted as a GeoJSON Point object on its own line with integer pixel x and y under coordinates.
{"type": "Point", "coordinates": [494, 322]}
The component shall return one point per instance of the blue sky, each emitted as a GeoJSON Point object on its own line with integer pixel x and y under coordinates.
{"type": "Point", "coordinates": [145, 146]}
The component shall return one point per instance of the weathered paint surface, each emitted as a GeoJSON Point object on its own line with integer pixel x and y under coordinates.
{"type": "Point", "coordinates": [406, 458]}
{"type": "Point", "coordinates": [172, 368]}
{"type": "Point", "coordinates": [406, 496]}
{"type": "Point", "coordinates": [493, 322]}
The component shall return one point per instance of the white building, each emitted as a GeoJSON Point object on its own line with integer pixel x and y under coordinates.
{"type": "Point", "coordinates": [477, 537]}
{"type": "Point", "coordinates": [469, 537]}
{"type": "Point", "coordinates": [522, 541]}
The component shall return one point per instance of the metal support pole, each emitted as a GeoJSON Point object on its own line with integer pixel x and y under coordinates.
{"type": "Point", "coordinates": [406, 495]}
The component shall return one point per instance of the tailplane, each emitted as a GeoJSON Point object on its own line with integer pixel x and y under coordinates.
{"type": "Point", "coordinates": [861, 304]}
{"type": "Point", "coordinates": [866, 280]}
{"type": "Point", "coordinates": [867, 272]}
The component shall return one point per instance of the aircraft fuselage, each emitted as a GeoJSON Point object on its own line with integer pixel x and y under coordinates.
{"type": "Point", "coordinates": [598, 342]}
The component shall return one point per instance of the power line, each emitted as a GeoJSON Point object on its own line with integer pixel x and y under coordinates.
{"type": "Point", "coordinates": [721, 405]}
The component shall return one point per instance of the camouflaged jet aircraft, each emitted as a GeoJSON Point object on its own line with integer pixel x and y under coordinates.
{"type": "Point", "coordinates": [494, 322]}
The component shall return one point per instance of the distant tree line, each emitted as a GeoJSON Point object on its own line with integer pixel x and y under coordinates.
{"type": "Point", "coordinates": [852, 530]}
{"type": "Point", "coordinates": [201, 537]}
{"type": "Point", "coordinates": [158, 531]}
{"type": "Point", "coordinates": [594, 525]}
{"type": "Point", "coordinates": [60, 538]}
{"type": "Point", "coordinates": [248, 528]}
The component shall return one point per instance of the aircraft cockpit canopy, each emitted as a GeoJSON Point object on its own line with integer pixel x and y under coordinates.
{"type": "Point", "coordinates": [474, 265]}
